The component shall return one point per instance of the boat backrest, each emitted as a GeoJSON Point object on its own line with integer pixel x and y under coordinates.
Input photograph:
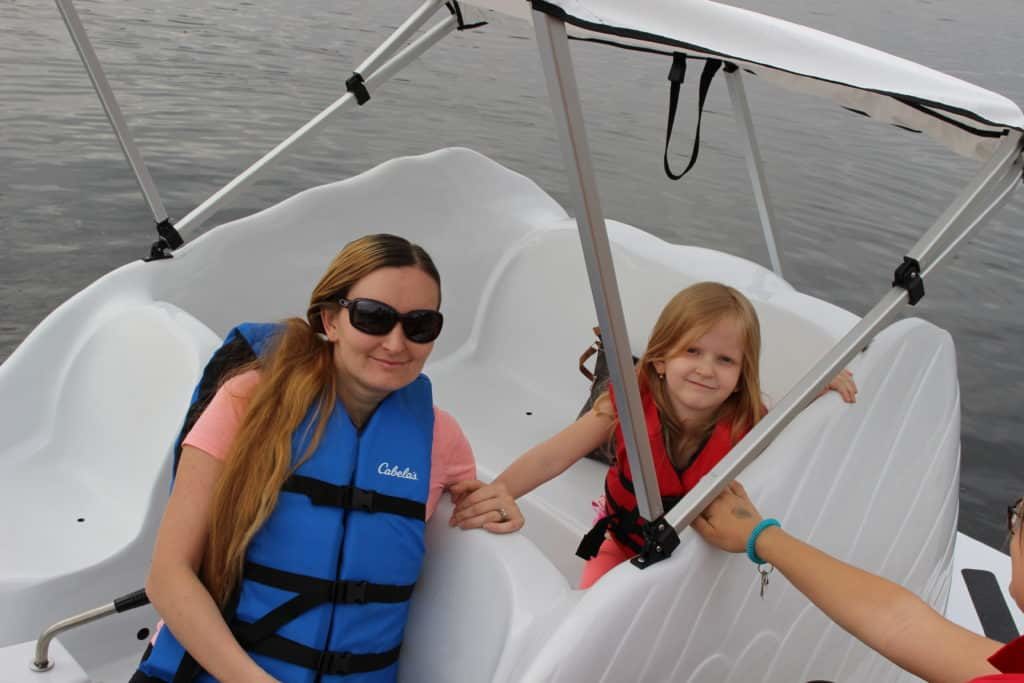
{"type": "Point", "coordinates": [116, 402]}
{"type": "Point", "coordinates": [538, 314]}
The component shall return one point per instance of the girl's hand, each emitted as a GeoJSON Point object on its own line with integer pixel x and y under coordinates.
{"type": "Point", "coordinates": [488, 506]}
{"type": "Point", "coordinates": [727, 522]}
{"type": "Point", "coordinates": [844, 385]}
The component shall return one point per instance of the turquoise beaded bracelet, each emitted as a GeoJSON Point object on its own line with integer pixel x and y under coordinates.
{"type": "Point", "coordinates": [752, 541]}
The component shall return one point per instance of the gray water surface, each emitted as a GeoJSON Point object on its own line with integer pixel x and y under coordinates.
{"type": "Point", "coordinates": [209, 86]}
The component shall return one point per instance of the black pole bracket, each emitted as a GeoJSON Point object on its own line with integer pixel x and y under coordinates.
{"type": "Point", "coordinates": [357, 86]}
{"type": "Point", "coordinates": [456, 11]}
{"type": "Point", "coordinates": [908, 276]}
{"type": "Point", "coordinates": [169, 240]}
{"type": "Point", "coordinates": [660, 539]}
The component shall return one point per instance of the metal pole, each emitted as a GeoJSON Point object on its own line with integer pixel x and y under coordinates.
{"type": "Point", "coordinates": [565, 104]}
{"type": "Point", "coordinates": [995, 182]}
{"type": "Point", "coordinates": [400, 35]}
{"type": "Point", "coordinates": [201, 213]}
{"type": "Point", "coordinates": [738, 96]}
{"type": "Point", "coordinates": [1004, 154]}
{"type": "Point", "coordinates": [42, 661]}
{"type": "Point", "coordinates": [113, 111]}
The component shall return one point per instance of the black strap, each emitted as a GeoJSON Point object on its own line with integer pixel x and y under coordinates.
{"type": "Point", "coordinates": [330, 663]}
{"type": "Point", "coordinates": [593, 539]}
{"type": "Point", "coordinates": [461, 24]}
{"type": "Point", "coordinates": [353, 498]}
{"type": "Point", "coordinates": [311, 592]}
{"type": "Point", "coordinates": [676, 76]}
{"type": "Point", "coordinates": [337, 592]}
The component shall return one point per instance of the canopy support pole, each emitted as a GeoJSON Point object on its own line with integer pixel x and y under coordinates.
{"type": "Point", "coordinates": [371, 81]}
{"type": "Point", "coordinates": [741, 110]}
{"type": "Point", "coordinates": [565, 104]}
{"type": "Point", "coordinates": [982, 197]}
{"type": "Point", "coordinates": [112, 109]}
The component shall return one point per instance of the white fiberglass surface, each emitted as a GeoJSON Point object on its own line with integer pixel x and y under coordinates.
{"type": "Point", "coordinates": [874, 483]}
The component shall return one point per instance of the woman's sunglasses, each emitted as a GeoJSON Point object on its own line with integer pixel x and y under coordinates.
{"type": "Point", "coordinates": [378, 319]}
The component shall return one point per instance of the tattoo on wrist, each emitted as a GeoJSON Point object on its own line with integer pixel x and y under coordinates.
{"type": "Point", "coordinates": [741, 512]}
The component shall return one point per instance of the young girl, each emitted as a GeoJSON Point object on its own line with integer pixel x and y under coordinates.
{"type": "Point", "coordinates": [701, 393]}
{"type": "Point", "coordinates": [294, 532]}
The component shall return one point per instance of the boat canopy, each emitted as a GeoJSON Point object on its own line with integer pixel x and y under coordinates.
{"type": "Point", "coordinates": [964, 117]}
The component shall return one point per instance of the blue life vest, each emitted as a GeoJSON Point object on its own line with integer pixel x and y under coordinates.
{"type": "Point", "coordinates": [327, 578]}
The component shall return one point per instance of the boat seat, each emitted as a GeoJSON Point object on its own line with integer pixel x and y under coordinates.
{"type": "Point", "coordinates": [534, 321]}
{"type": "Point", "coordinates": [101, 455]}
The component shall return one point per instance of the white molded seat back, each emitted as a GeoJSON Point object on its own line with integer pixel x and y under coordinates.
{"type": "Point", "coordinates": [93, 479]}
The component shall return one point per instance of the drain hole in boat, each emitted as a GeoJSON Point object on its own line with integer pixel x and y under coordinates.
{"type": "Point", "coordinates": [81, 519]}
{"type": "Point", "coordinates": [142, 634]}
{"type": "Point", "coordinates": [529, 412]}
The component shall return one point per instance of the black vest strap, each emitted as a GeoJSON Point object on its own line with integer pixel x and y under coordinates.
{"type": "Point", "coordinates": [353, 498]}
{"type": "Point", "coordinates": [676, 76]}
{"type": "Point", "coordinates": [330, 663]}
{"type": "Point", "coordinates": [337, 592]}
{"type": "Point", "coordinates": [312, 592]}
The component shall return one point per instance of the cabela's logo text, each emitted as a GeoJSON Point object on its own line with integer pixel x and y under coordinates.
{"type": "Point", "coordinates": [389, 470]}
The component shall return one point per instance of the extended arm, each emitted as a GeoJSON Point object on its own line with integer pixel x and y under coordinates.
{"type": "Point", "coordinates": [543, 462]}
{"type": "Point", "coordinates": [886, 617]}
{"type": "Point", "coordinates": [173, 584]}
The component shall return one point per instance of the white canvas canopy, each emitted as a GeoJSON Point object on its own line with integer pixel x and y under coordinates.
{"type": "Point", "coordinates": [964, 117]}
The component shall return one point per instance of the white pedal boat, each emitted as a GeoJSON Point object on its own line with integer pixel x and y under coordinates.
{"type": "Point", "coordinates": [94, 397]}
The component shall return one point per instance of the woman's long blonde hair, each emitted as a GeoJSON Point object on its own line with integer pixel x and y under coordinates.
{"type": "Point", "coordinates": [298, 373]}
{"type": "Point", "coordinates": [687, 317]}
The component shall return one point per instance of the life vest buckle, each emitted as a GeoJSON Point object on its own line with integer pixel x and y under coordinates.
{"type": "Point", "coordinates": [360, 499]}
{"type": "Point", "coordinates": [334, 663]}
{"type": "Point", "coordinates": [354, 592]}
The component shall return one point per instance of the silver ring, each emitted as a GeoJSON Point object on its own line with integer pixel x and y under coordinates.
{"type": "Point", "coordinates": [504, 515]}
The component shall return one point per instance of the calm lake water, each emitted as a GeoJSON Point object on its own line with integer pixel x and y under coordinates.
{"type": "Point", "coordinates": [208, 86]}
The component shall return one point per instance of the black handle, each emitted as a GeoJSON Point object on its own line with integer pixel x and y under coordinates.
{"type": "Point", "coordinates": [131, 601]}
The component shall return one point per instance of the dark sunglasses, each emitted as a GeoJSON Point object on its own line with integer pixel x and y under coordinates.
{"type": "Point", "coordinates": [378, 319]}
{"type": "Point", "coordinates": [1013, 514]}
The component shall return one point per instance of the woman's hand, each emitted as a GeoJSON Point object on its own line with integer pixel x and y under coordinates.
{"type": "Point", "coordinates": [728, 521]}
{"type": "Point", "coordinates": [844, 385]}
{"type": "Point", "coordinates": [489, 506]}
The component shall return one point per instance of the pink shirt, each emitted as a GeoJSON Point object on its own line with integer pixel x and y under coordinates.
{"type": "Point", "coordinates": [451, 457]}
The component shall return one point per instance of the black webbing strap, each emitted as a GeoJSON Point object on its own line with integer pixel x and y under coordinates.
{"type": "Point", "coordinates": [676, 76]}
{"type": "Point", "coordinates": [337, 592]}
{"type": "Point", "coordinates": [456, 11]}
{"type": "Point", "coordinates": [593, 539]}
{"type": "Point", "coordinates": [330, 663]}
{"type": "Point", "coordinates": [353, 498]}
{"type": "Point", "coordinates": [311, 592]}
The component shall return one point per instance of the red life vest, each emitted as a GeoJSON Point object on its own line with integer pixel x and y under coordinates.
{"type": "Point", "coordinates": [623, 521]}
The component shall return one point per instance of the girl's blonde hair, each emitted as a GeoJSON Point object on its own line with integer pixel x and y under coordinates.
{"type": "Point", "coordinates": [687, 317]}
{"type": "Point", "coordinates": [297, 374]}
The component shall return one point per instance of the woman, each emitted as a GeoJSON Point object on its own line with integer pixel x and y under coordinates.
{"type": "Point", "coordinates": [886, 617]}
{"type": "Point", "coordinates": [294, 531]}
